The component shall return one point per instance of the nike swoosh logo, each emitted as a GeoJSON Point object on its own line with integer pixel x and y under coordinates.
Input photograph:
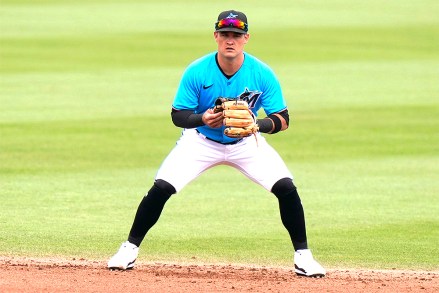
{"type": "Point", "coordinates": [207, 86]}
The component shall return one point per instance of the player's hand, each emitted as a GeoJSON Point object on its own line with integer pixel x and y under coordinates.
{"type": "Point", "coordinates": [211, 119]}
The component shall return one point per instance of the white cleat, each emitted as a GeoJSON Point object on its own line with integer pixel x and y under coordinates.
{"type": "Point", "coordinates": [124, 258]}
{"type": "Point", "coordinates": [306, 265]}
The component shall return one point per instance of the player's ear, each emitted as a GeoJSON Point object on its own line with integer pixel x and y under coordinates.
{"type": "Point", "coordinates": [246, 38]}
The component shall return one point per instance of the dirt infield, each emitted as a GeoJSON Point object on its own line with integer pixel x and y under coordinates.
{"type": "Point", "coordinates": [56, 275]}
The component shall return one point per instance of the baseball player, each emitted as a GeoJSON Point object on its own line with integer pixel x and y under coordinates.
{"type": "Point", "coordinates": [234, 75]}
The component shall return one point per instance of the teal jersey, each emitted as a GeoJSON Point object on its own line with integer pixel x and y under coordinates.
{"type": "Point", "coordinates": [203, 82]}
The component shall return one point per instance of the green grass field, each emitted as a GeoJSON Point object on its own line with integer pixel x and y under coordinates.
{"type": "Point", "coordinates": [85, 94]}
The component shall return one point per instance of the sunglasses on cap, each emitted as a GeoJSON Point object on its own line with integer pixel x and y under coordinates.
{"type": "Point", "coordinates": [231, 22]}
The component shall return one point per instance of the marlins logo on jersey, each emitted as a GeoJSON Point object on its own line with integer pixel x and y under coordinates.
{"type": "Point", "coordinates": [251, 97]}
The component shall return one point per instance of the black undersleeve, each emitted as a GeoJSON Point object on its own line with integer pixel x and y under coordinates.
{"type": "Point", "coordinates": [265, 125]}
{"type": "Point", "coordinates": [186, 118]}
{"type": "Point", "coordinates": [291, 212]}
{"type": "Point", "coordinates": [148, 213]}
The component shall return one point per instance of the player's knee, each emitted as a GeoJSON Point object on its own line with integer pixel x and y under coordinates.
{"type": "Point", "coordinates": [165, 186]}
{"type": "Point", "coordinates": [284, 187]}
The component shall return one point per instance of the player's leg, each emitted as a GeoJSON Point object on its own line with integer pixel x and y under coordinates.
{"type": "Point", "coordinates": [291, 212]}
{"type": "Point", "coordinates": [149, 210]}
{"type": "Point", "coordinates": [181, 166]}
{"type": "Point", "coordinates": [258, 161]}
{"type": "Point", "coordinates": [147, 214]}
{"type": "Point", "coordinates": [293, 218]}
{"type": "Point", "coordinates": [189, 158]}
{"type": "Point", "coordinates": [192, 155]}
{"type": "Point", "coordinates": [263, 165]}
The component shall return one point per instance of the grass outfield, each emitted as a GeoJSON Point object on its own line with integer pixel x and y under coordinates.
{"type": "Point", "coordinates": [85, 95]}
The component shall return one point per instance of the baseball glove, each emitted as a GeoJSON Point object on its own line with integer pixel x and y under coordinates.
{"type": "Point", "coordinates": [238, 118]}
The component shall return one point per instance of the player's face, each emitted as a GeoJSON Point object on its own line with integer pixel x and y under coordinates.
{"type": "Point", "coordinates": [231, 44]}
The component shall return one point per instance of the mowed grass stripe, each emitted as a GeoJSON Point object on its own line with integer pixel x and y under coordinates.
{"type": "Point", "coordinates": [67, 146]}
{"type": "Point", "coordinates": [136, 141]}
{"type": "Point", "coordinates": [145, 50]}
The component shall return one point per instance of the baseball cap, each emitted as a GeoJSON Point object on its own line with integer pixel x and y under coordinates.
{"type": "Point", "coordinates": [232, 21]}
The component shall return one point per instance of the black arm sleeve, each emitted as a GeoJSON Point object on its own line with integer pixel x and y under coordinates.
{"type": "Point", "coordinates": [186, 118]}
{"type": "Point", "coordinates": [265, 125]}
{"type": "Point", "coordinates": [272, 124]}
{"type": "Point", "coordinates": [286, 116]}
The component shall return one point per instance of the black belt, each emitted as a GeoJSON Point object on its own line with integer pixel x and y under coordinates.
{"type": "Point", "coordinates": [224, 143]}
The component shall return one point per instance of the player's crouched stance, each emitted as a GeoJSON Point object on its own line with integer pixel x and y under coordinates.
{"type": "Point", "coordinates": [284, 190]}
{"type": "Point", "coordinates": [216, 133]}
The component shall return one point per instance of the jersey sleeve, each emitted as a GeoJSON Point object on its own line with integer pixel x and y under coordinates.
{"type": "Point", "coordinates": [272, 98]}
{"type": "Point", "coordinates": [186, 97]}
